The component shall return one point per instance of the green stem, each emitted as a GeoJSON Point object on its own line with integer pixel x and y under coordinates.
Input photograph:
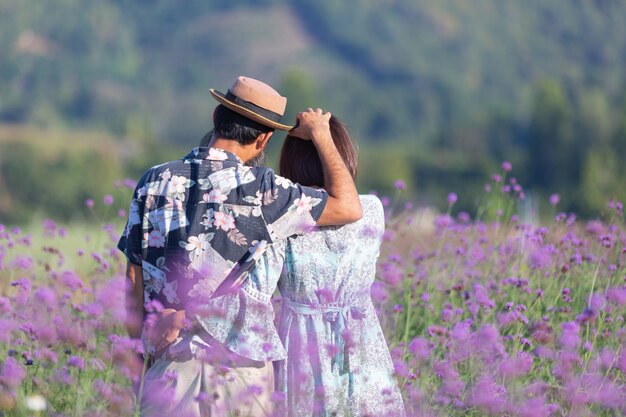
{"type": "Point", "coordinates": [76, 394]}
{"type": "Point", "coordinates": [407, 302]}
{"type": "Point", "coordinates": [593, 283]}
{"type": "Point", "coordinates": [140, 393]}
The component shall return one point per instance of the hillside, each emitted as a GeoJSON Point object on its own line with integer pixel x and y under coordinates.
{"type": "Point", "coordinates": [412, 67]}
{"type": "Point", "coordinates": [474, 82]}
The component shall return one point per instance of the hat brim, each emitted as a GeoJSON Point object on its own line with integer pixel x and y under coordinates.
{"type": "Point", "coordinates": [248, 113]}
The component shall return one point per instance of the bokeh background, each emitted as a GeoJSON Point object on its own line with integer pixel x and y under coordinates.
{"type": "Point", "coordinates": [436, 93]}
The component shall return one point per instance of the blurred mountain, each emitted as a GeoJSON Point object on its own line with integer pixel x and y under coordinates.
{"type": "Point", "coordinates": [393, 69]}
{"type": "Point", "coordinates": [439, 91]}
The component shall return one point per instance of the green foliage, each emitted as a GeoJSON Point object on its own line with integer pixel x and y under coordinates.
{"type": "Point", "coordinates": [468, 84]}
{"type": "Point", "coordinates": [52, 173]}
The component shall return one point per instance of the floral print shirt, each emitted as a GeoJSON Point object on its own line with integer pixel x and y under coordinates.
{"type": "Point", "coordinates": [193, 221]}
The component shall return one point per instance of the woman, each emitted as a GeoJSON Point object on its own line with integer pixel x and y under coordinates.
{"type": "Point", "coordinates": [338, 361]}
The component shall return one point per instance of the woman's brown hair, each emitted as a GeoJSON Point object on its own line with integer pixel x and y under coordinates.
{"type": "Point", "coordinates": [300, 162]}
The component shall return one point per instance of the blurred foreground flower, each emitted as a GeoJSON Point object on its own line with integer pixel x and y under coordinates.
{"type": "Point", "coordinates": [399, 185]}
{"type": "Point", "coordinates": [108, 200]}
{"type": "Point", "coordinates": [554, 199]}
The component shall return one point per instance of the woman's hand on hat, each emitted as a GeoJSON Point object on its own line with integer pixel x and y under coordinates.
{"type": "Point", "coordinates": [311, 125]}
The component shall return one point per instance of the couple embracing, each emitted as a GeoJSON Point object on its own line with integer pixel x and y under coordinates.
{"type": "Point", "coordinates": [211, 236]}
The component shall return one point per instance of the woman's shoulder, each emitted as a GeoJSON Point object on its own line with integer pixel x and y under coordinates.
{"type": "Point", "coordinates": [370, 199]}
{"type": "Point", "coordinates": [372, 206]}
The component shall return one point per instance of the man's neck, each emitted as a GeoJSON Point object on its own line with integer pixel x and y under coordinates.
{"type": "Point", "coordinates": [245, 153]}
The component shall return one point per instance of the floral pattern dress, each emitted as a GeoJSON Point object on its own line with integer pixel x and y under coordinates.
{"type": "Point", "coordinates": [338, 361]}
{"type": "Point", "coordinates": [197, 221]}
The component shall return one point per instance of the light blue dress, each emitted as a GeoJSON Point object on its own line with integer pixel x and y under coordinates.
{"type": "Point", "coordinates": [338, 362]}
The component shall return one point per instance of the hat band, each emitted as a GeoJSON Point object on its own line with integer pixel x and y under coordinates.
{"type": "Point", "coordinates": [268, 114]}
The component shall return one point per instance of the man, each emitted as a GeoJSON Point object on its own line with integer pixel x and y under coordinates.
{"type": "Point", "coordinates": [195, 228]}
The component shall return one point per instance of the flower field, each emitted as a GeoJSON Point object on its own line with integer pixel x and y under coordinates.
{"type": "Point", "coordinates": [485, 316]}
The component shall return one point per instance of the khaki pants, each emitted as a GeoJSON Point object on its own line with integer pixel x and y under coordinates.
{"type": "Point", "coordinates": [192, 387]}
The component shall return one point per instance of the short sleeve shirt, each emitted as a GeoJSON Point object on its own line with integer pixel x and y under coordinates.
{"type": "Point", "coordinates": [192, 220]}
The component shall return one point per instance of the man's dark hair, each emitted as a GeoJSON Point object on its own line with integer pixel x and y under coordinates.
{"type": "Point", "coordinates": [231, 125]}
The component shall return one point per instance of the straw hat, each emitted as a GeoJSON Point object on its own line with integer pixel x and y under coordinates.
{"type": "Point", "coordinates": [255, 100]}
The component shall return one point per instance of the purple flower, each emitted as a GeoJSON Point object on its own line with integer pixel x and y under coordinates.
{"type": "Point", "coordinates": [129, 183]}
{"type": "Point", "coordinates": [45, 354]}
{"type": "Point", "coordinates": [89, 203]}
{"type": "Point", "coordinates": [435, 330]}
{"type": "Point", "coordinates": [49, 227]}
{"type": "Point", "coordinates": [108, 200]}
{"type": "Point", "coordinates": [420, 348]}
{"type": "Point", "coordinates": [255, 390]}
{"type": "Point", "coordinates": [378, 292]}
{"type": "Point", "coordinates": [399, 185]}
{"type": "Point", "coordinates": [464, 217]}
{"type": "Point", "coordinates": [617, 296]}
{"type": "Point", "coordinates": [391, 273]}
{"type": "Point", "coordinates": [554, 199]}
{"type": "Point", "coordinates": [22, 262]}
{"type": "Point", "coordinates": [488, 342]}
{"type": "Point", "coordinates": [277, 396]}
{"type": "Point", "coordinates": [482, 297]}
{"type": "Point", "coordinates": [569, 336]}
{"type": "Point", "coordinates": [100, 387]}
{"type": "Point", "coordinates": [460, 332]}
{"type": "Point", "coordinates": [443, 221]}
{"type": "Point", "coordinates": [62, 376]}
{"type": "Point", "coordinates": [598, 302]}
{"type": "Point", "coordinates": [621, 361]}
{"type": "Point", "coordinates": [516, 366]}
{"type": "Point", "coordinates": [23, 283]}
{"type": "Point", "coordinates": [451, 383]}
{"type": "Point", "coordinates": [71, 280]}
{"type": "Point", "coordinates": [5, 305]}
{"type": "Point", "coordinates": [12, 373]}
{"type": "Point", "coordinates": [77, 362]}
{"type": "Point", "coordinates": [541, 258]}
{"type": "Point", "coordinates": [595, 227]}
{"type": "Point", "coordinates": [507, 166]}
{"type": "Point", "coordinates": [452, 198]}
{"type": "Point", "coordinates": [537, 407]}
{"type": "Point", "coordinates": [489, 396]}
{"type": "Point", "coordinates": [401, 370]}
{"type": "Point", "coordinates": [47, 296]}
{"type": "Point", "coordinates": [446, 315]}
